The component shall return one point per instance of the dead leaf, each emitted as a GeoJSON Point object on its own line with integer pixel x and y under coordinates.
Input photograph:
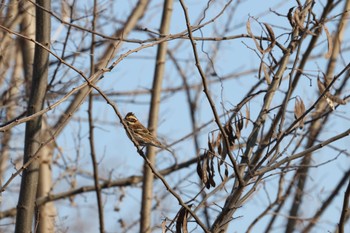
{"type": "Point", "coordinates": [247, 115]}
{"type": "Point", "coordinates": [224, 151]}
{"type": "Point", "coordinates": [329, 41]}
{"type": "Point", "coordinates": [204, 170]}
{"type": "Point", "coordinates": [330, 103]}
{"type": "Point", "coordinates": [272, 38]}
{"type": "Point", "coordinates": [239, 126]}
{"type": "Point", "coordinates": [299, 110]}
{"type": "Point", "coordinates": [330, 99]}
{"type": "Point", "coordinates": [253, 37]}
{"type": "Point", "coordinates": [211, 173]}
{"type": "Point", "coordinates": [336, 99]}
{"type": "Point", "coordinates": [181, 221]}
{"type": "Point", "coordinates": [229, 132]}
{"type": "Point", "coordinates": [199, 169]}
{"type": "Point", "coordinates": [211, 145]}
{"type": "Point", "coordinates": [240, 123]}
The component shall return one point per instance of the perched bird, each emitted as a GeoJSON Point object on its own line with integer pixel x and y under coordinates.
{"type": "Point", "coordinates": [140, 133]}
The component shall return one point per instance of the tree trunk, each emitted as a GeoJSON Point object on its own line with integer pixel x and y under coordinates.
{"type": "Point", "coordinates": [147, 188]}
{"type": "Point", "coordinates": [29, 183]}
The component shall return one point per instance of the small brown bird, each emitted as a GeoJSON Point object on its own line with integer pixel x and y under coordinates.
{"type": "Point", "coordinates": [140, 133]}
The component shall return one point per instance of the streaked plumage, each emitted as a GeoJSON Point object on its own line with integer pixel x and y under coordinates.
{"type": "Point", "coordinates": [140, 133]}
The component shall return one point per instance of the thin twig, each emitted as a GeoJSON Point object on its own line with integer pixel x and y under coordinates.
{"type": "Point", "coordinates": [206, 91]}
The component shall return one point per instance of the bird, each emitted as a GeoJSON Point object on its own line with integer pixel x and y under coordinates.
{"type": "Point", "coordinates": [140, 133]}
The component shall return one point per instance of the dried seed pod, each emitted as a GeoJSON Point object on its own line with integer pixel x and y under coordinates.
{"type": "Point", "coordinates": [299, 110]}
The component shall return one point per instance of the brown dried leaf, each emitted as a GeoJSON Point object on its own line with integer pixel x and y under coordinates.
{"type": "Point", "coordinates": [211, 145]}
{"type": "Point", "coordinates": [247, 115]}
{"type": "Point", "coordinates": [239, 126]}
{"type": "Point", "coordinates": [240, 122]}
{"type": "Point", "coordinates": [218, 140]}
{"type": "Point", "coordinates": [199, 170]}
{"type": "Point", "coordinates": [220, 149]}
{"type": "Point", "coordinates": [204, 169]}
{"type": "Point", "coordinates": [272, 37]}
{"type": "Point", "coordinates": [226, 171]}
{"type": "Point", "coordinates": [253, 37]}
{"type": "Point", "coordinates": [208, 174]}
{"type": "Point", "coordinates": [229, 132]}
{"type": "Point", "coordinates": [329, 41]}
{"type": "Point", "coordinates": [299, 110]}
{"type": "Point", "coordinates": [211, 182]}
{"type": "Point", "coordinates": [270, 31]}
{"type": "Point", "coordinates": [331, 99]}
{"type": "Point", "coordinates": [181, 221]}
{"type": "Point", "coordinates": [336, 99]}
{"type": "Point", "coordinates": [219, 170]}
{"type": "Point", "coordinates": [212, 173]}
{"type": "Point", "coordinates": [330, 103]}
{"type": "Point", "coordinates": [238, 133]}
{"type": "Point", "coordinates": [224, 151]}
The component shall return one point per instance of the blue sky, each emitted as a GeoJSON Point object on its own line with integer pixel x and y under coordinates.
{"type": "Point", "coordinates": [116, 154]}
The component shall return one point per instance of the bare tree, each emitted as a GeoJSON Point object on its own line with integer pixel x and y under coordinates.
{"type": "Point", "coordinates": [249, 99]}
{"type": "Point", "coordinates": [33, 136]}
